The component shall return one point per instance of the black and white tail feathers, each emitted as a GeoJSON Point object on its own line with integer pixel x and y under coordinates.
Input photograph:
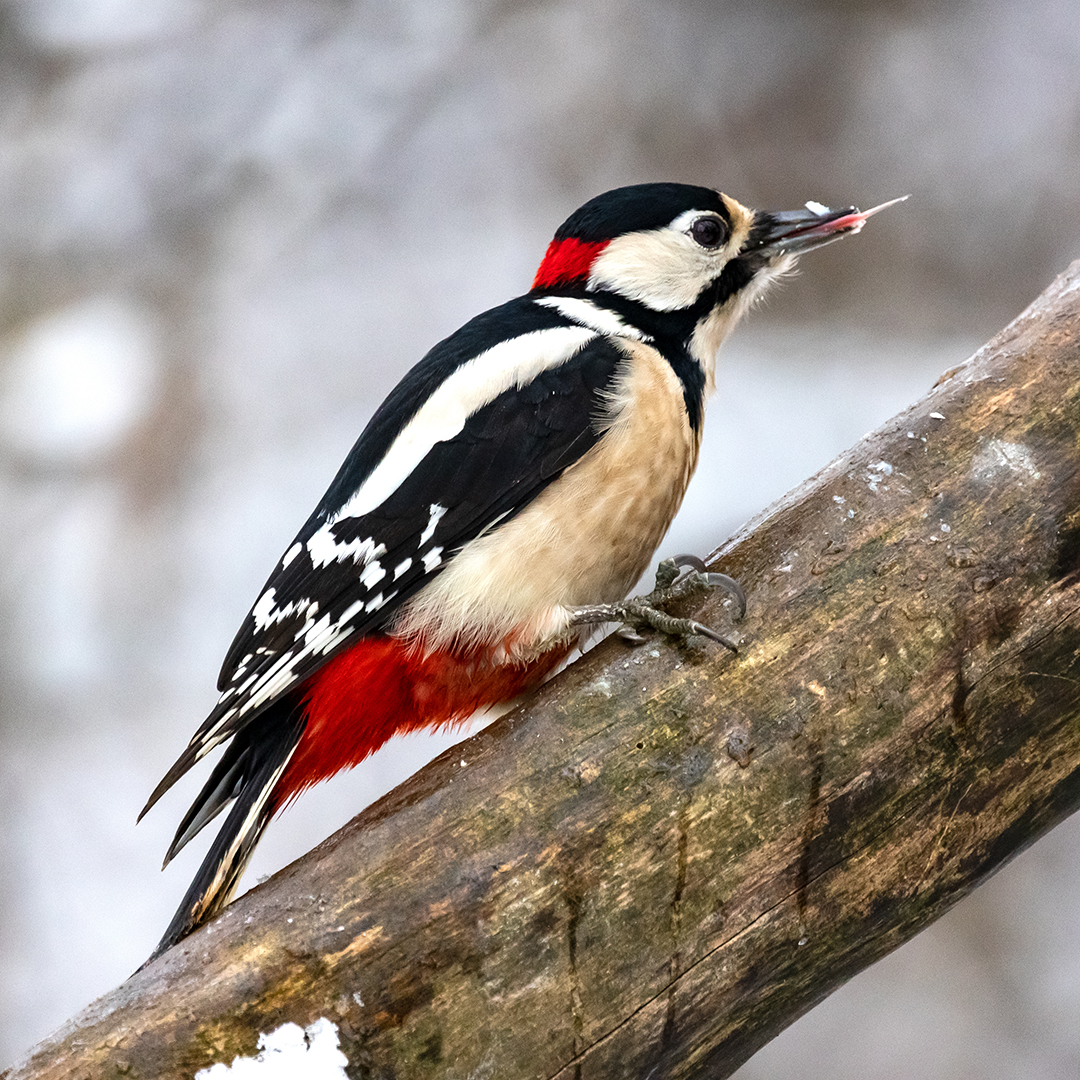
{"type": "Point", "coordinates": [244, 777]}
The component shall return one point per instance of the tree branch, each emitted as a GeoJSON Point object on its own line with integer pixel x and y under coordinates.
{"type": "Point", "coordinates": [669, 854]}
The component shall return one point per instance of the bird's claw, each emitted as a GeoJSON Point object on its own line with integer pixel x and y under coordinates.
{"type": "Point", "coordinates": [672, 584]}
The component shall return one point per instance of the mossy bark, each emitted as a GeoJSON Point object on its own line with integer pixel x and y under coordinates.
{"type": "Point", "coordinates": [670, 853]}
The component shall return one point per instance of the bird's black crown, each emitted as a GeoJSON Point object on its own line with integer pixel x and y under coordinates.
{"type": "Point", "coordinates": [638, 207]}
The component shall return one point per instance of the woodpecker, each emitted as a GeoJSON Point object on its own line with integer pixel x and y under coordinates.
{"type": "Point", "coordinates": [511, 488]}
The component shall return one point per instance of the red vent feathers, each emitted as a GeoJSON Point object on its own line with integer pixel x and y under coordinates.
{"type": "Point", "coordinates": [383, 686]}
{"type": "Point", "coordinates": [567, 260]}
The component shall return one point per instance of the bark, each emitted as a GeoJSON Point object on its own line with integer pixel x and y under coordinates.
{"type": "Point", "coordinates": [671, 852]}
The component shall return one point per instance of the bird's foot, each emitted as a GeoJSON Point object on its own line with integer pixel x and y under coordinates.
{"type": "Point", "coordinates": [645, 612]}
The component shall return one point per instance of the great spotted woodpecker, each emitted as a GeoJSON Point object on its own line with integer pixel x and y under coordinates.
{"type": "Point", "coordinates": [521, 474]}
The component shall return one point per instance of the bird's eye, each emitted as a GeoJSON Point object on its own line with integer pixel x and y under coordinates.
{"type": "Point", "coordinates": [709, 232]}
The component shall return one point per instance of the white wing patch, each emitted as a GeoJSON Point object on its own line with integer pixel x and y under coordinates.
{"type": "Point", "coordinates": [265, 614]}
{"type": "Point", "coordinates": [324, 548]}
{"type": "Point", "coordinates": [373, 574]}
{"type": "Point", "coordinates": [314, 638]}
{"type": "Point", "coordinates": [477, 382]}
{"type": "Point", "coordinates": [436, 516]}
{"type": "Point", "coordinates": [598, 318]}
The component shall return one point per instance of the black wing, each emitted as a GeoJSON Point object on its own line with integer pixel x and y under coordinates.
{"type": "Point", "coordinates": [344, 576]}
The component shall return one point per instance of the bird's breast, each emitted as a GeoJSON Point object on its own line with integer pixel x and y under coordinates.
{"type": "Point", "coordinates": [585, 539]}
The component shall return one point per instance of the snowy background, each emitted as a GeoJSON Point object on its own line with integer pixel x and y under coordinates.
{"type": "Point", "coordinates": [227, 228]}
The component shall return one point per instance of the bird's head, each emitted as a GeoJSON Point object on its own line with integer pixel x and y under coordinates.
{"type": "Point", "coordinates": [691, 257]}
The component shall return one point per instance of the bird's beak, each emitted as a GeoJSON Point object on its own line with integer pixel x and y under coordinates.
{"type": "Point", "coordinates": [782, 232]}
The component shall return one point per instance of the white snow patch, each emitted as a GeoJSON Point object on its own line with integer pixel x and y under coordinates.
{"type": "Point", "coordinates": [290, 1052]}
{"type": "Point", "coordinates": [999, 458]}
{"type": "Point", "coordinates": [876, 473]}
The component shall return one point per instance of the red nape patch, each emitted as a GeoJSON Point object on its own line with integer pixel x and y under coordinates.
{"type": "Point", "coordinates": [380, 687]}
{"type": "Point", "coordinates": [567, 260]}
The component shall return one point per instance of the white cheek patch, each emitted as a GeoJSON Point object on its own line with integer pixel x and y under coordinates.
{"type": "Point", "coordinates": [662, 269]}
{"type": "Point", "coordinates": [477, 382]}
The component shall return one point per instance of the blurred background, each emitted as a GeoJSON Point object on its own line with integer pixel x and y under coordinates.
{"type": "Point", "coordinates": [226, 229]}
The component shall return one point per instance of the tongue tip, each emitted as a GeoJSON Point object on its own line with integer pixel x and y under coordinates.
{"type": "Point", "coordinates": [824, 211]}
{"type": "Point", "coordinates": [884, 206]}
{"type": "Point", "coordinates": [853, 222]}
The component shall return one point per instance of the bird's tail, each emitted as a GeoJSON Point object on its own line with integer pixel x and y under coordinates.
{"type": "Point", "coordinates": [246, 776]}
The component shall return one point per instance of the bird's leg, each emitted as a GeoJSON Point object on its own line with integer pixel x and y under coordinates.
{"type": "Point", "coordinates": [643, 612]}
